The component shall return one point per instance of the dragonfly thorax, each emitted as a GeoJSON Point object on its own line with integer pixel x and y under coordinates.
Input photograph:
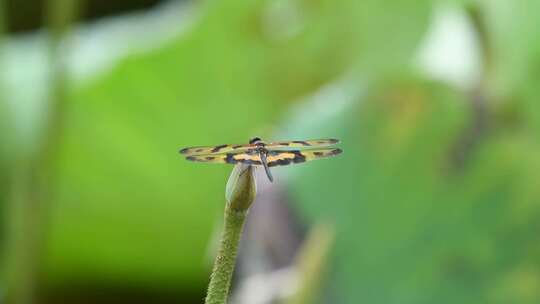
{"type": "Point", "coordinates": [261, 149]}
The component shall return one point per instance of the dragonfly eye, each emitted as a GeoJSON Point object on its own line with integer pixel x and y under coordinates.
{"type": "Point", "coordinates": [254, 140]}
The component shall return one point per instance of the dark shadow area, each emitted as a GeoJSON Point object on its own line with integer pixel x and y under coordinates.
{"type": "Point", "coordinates": [121, 294]}
{"type": "Point", "coordinates": [28, 15]}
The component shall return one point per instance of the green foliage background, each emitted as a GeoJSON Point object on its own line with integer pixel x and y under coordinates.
{"type": "Point", "coordinates": [428, 206]}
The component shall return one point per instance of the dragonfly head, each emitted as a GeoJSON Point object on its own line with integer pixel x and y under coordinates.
{"type": "Point", "coordinates": [256, 140]}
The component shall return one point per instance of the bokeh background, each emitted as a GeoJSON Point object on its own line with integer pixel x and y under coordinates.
{"type": "Point", "coordinates": [436, 198]}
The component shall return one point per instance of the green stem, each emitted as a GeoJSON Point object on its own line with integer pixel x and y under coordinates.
{"type": "Point", "coordinates": [2, 20]}
{"type": "Point", "coordinates": [478, 20]}
{"type": "Point", "coordinates": [311, 262]}
{"type": "Point", "coordinates": [240, 193]}
{"type": "Point", "coordinates": [34, 173]}
{"type": "Point", "coordinates": [220, 280]}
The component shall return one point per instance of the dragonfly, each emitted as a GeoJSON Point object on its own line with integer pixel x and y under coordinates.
{"type": "Point", "coordinates": [259, 153]}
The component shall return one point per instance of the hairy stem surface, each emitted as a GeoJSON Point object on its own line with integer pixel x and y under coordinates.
{"type": "Point", "coordinates": [220, 280]}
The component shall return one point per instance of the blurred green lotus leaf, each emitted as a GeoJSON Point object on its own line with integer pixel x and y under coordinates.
{"type": "Point", "coordinates": [514, 43]}
{"type": "Point", "coordinates": [412, 227]}
{"type": "Point", "coordinates": [127, 207]}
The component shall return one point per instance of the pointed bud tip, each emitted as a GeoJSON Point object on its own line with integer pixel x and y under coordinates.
{"type": "Point", "coordinates": [241, 188]}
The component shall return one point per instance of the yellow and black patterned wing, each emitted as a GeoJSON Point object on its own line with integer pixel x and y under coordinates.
{"type": "Point", "coordinates": [227, 148]}
{"type": "Point", "coordinates": [249, 157]}
{"type": "Point", "coordinates": [283, 158]}
{"type": "Point", "coordinates": [311, 143]}
{"type": "Point", "coordinates": [202, 150]}
{"type": "Point", "coordinates": [274, 158]}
